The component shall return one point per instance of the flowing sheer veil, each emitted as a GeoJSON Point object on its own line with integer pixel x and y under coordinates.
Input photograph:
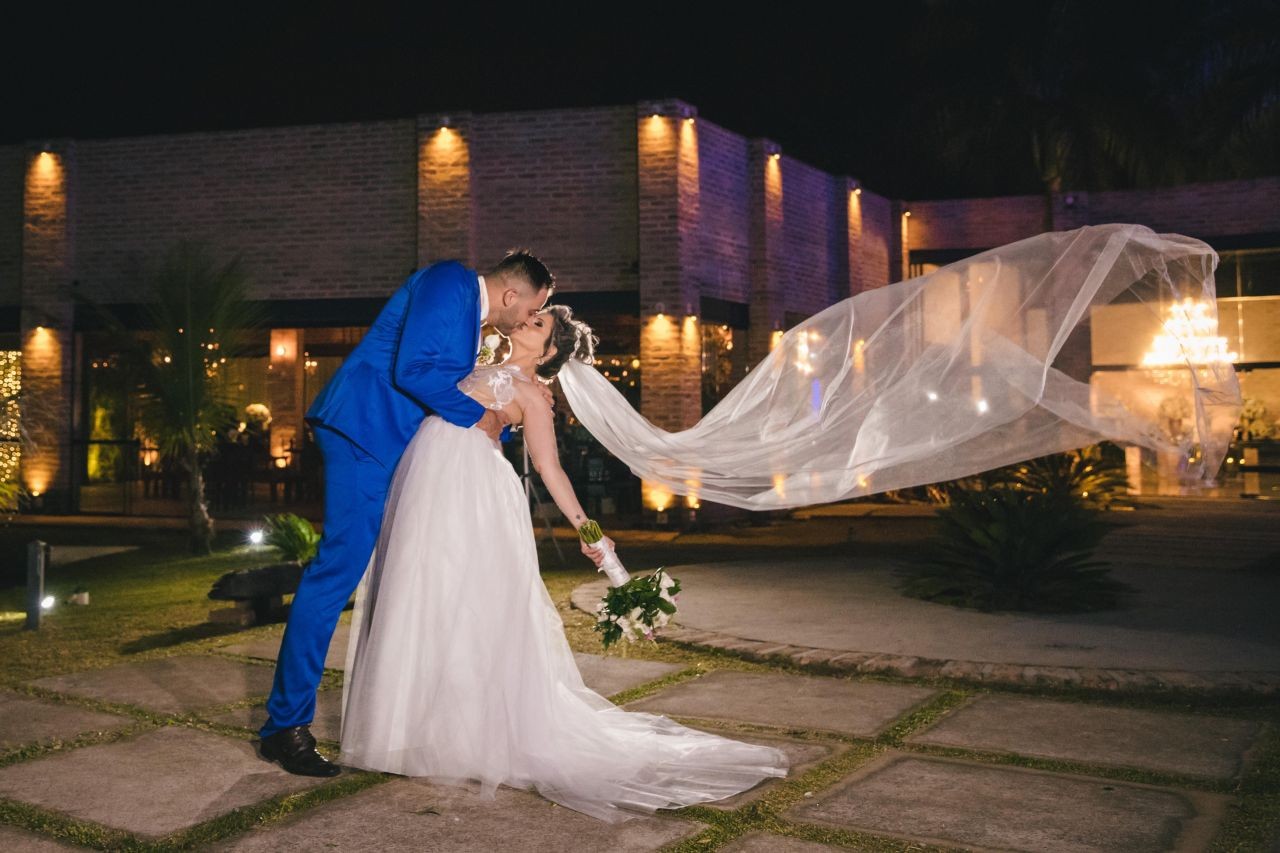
{"type": "Point", "coordinates": [981, 363]}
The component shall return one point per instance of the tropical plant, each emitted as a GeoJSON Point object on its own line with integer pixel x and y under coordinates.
{"type": "Point", "coordinates": [1093, 476]}
{"type": "Point", "coordinates": [1076, 103]}
{"type": "Point", "coordinates": [1006, 549]}
{"type": "Point", "coordinates": [198, 312]}
{"type": "Point", "coordinates": [291, 535]}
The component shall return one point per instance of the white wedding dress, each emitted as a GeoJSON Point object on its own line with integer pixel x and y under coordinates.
{"type": "Point", "coordinates": [458, 669]}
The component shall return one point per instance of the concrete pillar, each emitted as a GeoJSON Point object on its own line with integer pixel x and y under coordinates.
{"type": "Point", "coordinates": [445, 221]}
{"type": "Point", "coordinates": [670, 332]}
{"type": "Point", "coordinates": [767, 310]}
{"type": "Point", "coordinates": [48, 247]}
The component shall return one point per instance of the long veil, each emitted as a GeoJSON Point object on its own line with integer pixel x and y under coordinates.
{"type": "Point", "coordinates": [985, 362]}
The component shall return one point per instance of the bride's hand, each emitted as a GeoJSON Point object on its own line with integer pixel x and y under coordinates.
{"type": "Point", "coordinates": [596, 555]}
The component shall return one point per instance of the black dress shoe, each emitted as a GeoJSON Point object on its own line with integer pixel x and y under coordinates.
{"type": "Point", "coordinates": [295, 749]}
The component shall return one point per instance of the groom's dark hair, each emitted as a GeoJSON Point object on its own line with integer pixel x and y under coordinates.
{"type": "Point", "coordinates": [521, 264]}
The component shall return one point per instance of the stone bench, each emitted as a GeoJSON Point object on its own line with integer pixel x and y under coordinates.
{"type": "Point", "coordinates": [258, 593]}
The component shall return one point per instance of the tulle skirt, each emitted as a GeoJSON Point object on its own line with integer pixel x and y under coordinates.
{"type": "Point", "coordinates": [459, 671]}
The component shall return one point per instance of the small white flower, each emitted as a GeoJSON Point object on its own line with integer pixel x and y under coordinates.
{"type": "Point", "coordinates": [666, 582]}
{"type": "Point", "coordinates": [492, 341]}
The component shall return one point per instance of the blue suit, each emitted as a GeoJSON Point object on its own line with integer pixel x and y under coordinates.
{"type": "Point", "coordinates": [408, 364]}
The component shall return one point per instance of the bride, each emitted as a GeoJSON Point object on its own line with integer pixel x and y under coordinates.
{"type": "Point", "coordinates": [458, 669]}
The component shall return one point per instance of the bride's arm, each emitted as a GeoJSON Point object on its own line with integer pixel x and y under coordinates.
{"type": "Point", "coordinates": [540, 438]}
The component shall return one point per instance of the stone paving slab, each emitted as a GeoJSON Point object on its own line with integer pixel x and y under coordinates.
{"type": "Point", "coordinates": [608, 675]}
{"type": "Point", "coordinates": [415, 815]}
{"type": "Point", "coordinates": [944, 801]}
{"type": "Point", "coordinates": [268, 648]}
{"type": "Point", "coordinates": [26, 719]}
{"type": "Point", "coordinates": [802, 755]}
{"type": "Point", "coordinates": [605, 674]}
{"type": "Point", "coordinates": [861, 708]}
{"type": "Point", "coordinates": [169, 685]}
{"type": "Point", "coordinates": [763, 842]}
{"type": "Point", "coordinates": [327, 724]}
{"type": "Point", "coordinates": [21, 841]}
{"type": "Point", "coordinates": [1193, 744]}
{"type": "Point", "coordinates": [160, 782]}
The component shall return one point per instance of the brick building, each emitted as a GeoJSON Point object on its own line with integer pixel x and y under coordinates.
{"type": "Point", "coordinates": [686, 245]}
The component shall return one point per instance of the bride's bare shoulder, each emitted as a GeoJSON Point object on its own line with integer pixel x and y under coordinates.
{"type": "Point", "coordinates": [529, 396]}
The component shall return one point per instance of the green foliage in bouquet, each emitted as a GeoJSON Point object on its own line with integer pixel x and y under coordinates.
{"type": "Point", "coordinates": [1008, 549]}
{"type": "Point", "coordinates": [642, 604]}
{"type": "Point", "coordinates": [292, 535]}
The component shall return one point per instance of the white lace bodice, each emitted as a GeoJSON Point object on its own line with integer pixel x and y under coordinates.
{"type": "Point", "coordinates": [491, 384]}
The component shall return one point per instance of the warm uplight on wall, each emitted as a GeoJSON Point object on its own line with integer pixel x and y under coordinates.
{"type": "Point", "coordinates": [656, 497]}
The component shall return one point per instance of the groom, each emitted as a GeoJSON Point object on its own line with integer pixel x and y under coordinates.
{"type": "Point", "coordinates": [423, 342]}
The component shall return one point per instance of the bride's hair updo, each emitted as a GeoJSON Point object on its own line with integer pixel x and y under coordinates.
{"type": "Point", "coordinates": [571, 338]}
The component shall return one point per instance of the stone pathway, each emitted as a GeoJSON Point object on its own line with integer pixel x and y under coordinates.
{"type": "Point", "coordinates": [1202, 618]}
{"type": "Point", "coordinates": [163, 751]}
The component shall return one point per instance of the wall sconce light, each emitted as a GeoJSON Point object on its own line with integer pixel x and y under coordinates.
{"type": "Point", "coordinates": [688, 310]}
{"type": "Point", "coordinates": [445, 122]}
{"type": "Point", "coordinates": [777, 155]}
{"type": "Point", "coordinates": [906, 213]}
{"type": "Point", "coordinates": [659, 308]}
{"type": "Point", "coordinates": [855, 187]}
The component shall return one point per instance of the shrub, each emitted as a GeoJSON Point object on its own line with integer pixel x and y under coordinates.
{"type": "Point", "coordinates": [1010, 549]}
{"type": "Point", "coordinates": [1092, 476]}
{"type": "Point", "coordinates": [291, 535]}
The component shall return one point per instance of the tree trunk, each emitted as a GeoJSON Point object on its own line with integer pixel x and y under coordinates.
{"type": "Point", "coordinates": [201, 524]}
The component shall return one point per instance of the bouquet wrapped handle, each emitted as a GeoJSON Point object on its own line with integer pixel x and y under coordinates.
{"type": "Point", "coordinates": [612, 566]}
{"type": "Point", "coordinates": [591, 534]}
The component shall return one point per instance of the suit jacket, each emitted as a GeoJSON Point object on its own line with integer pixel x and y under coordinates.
{"type": "Point", "coordinates": [408, 364]}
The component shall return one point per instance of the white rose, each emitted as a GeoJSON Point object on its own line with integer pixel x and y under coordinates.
{"type": "Point", "coordinates": [624, 625]}
{"type": "Point", "coordinates": [664, 582]}
{"type": "Point", "coordinates": [635, 614]}
{"type": "Point", "coordinates": [491, 341]}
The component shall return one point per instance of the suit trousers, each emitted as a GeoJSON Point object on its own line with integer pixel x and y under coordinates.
{"type": "Point", "coordinates": [355, 493]}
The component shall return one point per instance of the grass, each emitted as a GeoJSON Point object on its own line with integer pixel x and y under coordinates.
{"type": "Point", "coordinates": [153, 602]}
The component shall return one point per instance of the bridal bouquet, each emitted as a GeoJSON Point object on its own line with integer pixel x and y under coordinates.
{"type": "Point", "coordinates": [633, 607]}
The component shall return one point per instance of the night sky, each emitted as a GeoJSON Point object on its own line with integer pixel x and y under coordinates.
{"type": "Point", "coordinates": [836, 93]}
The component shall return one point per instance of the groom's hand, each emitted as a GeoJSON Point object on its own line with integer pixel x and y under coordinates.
{"type": "Point", "coordinates": [492, 422]}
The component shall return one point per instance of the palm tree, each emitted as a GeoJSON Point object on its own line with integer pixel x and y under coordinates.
{"type": "Point", "coordinates": [198, 312]}
{"type": "Point", "coordinates": [1093, 95]}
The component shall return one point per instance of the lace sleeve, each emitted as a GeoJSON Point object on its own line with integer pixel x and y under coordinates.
{"type": "Point", "coordinates": [491, 387]}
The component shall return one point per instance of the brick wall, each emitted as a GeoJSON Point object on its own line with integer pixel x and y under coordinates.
{"type": "Point", "coordinates": [1218, 208]}
{"type": "Point", "coordinates": [1205, 210]}
{"type": "Point", "coordinates": [562, 183]}
{"type": "Point", "coordinates": [871, 235]}
{"type": "Point", "coordinates": [722, 263]}
{"type": "Point", "coordinates": [11, 166]}
{"type": "Point", "coordinates": [318, 211]}
{"type": "Point", "coordinates": [978, 223]}
{"type": "Point", "coordinates": [815, 260]}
